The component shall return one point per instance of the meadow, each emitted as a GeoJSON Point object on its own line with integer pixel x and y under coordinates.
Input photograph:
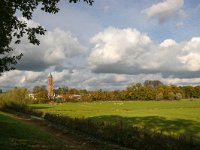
{"type": "Point", "coordinates": [169, 117]}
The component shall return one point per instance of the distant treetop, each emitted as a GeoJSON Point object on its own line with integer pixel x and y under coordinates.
{"type": "Point", "coordinates": [153, 83]}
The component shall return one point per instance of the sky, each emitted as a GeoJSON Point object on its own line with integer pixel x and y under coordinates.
{"type": "Point", "coordinates": [112, 44]}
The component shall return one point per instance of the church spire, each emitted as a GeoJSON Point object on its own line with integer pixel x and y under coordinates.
{"type": "Point", "coordinates": [50, 75]}
{"type": "Point", "coordinates": [50, 86]}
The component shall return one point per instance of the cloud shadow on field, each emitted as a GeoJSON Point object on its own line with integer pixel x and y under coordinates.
{"type": "Point", "coordinates": [189, 128]}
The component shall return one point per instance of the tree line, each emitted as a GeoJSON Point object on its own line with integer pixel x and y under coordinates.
{"type": "Point", "coordinates": [149, 90]}
{"type": "Point", "coordinates": [144, 91]}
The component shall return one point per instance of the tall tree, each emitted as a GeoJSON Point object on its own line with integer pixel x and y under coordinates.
{"type": "Point", "coordinates": [11, 27]}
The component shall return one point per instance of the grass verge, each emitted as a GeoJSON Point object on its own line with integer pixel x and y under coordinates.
{"type": "Point", "coordinates": [18, 135]}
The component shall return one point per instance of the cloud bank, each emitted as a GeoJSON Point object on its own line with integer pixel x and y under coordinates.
{"type": "Point", "coordinates": [129, 51]}
{"type": "Point", "coordinates": [57, 49]}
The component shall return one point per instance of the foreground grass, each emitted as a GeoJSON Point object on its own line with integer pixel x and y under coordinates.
{"type": "Point", "coordinates": [18, 135]}
{"type": "Point", "coordinates": [169, 117]}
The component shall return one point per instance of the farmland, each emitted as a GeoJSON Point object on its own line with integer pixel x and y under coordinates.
{"type": "Point", "coordinates": [170, 117]}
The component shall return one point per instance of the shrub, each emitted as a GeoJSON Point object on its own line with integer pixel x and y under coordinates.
{"type": "Point", "coordinates": [15, 95]}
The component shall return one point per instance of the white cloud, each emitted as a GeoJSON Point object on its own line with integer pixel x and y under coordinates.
{"type": "Point", "coordinates": [113, 45]}
{"type": "Point", "coordinates": [168, 43]}
{"type": "Point", "coordinates": [183, 81]}
{"type": "Point", "coordinates": [165, 10]}
{"type": "Point", "coordinates": [128, 51]}
{"type": "Point", "coordinates": [61, 45]}
{"type": "Point", "coordinates": [21, 78]}
{"type": "Point", "coordinates": [57, 48]}
{"type": "Point", "coordinates": [191, 55]}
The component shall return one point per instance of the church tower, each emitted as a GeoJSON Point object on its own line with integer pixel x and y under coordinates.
{"type": "Point", "coordinates": [50, 86]}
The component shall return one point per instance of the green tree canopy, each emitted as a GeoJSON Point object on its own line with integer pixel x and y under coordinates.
{"type": "Point", "coordinates": [40, 93]}
{"type": "Point", "coordinates": [11, 27]}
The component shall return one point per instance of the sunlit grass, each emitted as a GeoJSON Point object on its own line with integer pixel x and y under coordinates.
{"type": "Point", "coordinates": [171, 117]}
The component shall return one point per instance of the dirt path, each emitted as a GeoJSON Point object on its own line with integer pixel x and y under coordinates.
{"type": "Point", "coordinates": [67, 139]}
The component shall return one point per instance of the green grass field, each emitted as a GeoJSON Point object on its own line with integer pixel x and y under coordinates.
{"type": "Point", "coordinates": [170, 117]}
{"type": "Point", "coordinates": [18, 135]}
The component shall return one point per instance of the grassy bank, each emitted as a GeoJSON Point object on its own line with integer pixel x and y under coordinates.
{"type": "Point", "coordinates": [18, 135]}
